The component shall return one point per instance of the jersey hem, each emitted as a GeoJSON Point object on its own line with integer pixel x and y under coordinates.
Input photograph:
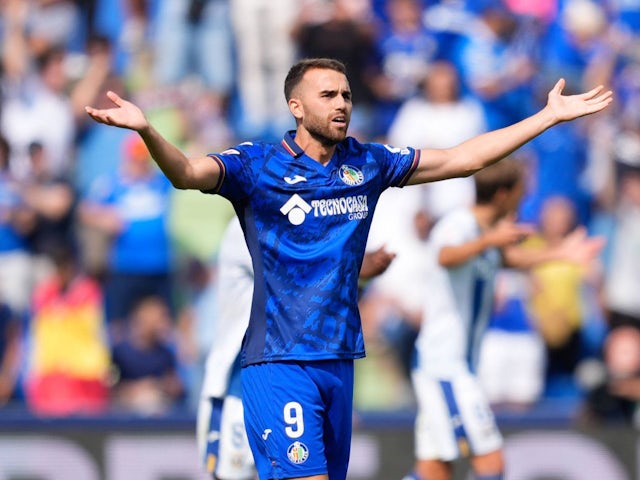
{"type": "Point", "coordinates": [298, 358]}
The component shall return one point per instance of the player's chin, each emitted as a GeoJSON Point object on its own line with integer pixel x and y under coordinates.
{"type": "Point", "coordinates": [339, 131]}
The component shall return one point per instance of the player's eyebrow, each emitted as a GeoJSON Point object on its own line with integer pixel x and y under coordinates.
{"type": "Point", "coordinates": [333, 93]}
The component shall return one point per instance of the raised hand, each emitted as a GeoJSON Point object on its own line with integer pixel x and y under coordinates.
{"type": "Point", "coordinates": [124, 115]}
{"type": "Point", "coordinates": [568, 107]}
{"type": "Point", "coordinates": [578, 248]}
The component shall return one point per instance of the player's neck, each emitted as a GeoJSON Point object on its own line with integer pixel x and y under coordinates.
{"type": "Point", "coordinates": [314, 149]}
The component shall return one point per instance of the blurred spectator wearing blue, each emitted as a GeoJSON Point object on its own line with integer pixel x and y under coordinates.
{"type": "Point", "coordinates": [98, 147]}
{"type": "Point", "coordinates": [186, 33]}
{"type": "Point", "coordinates": [264, 52]}
{"type": "Point", "coordinates": [126, 25]}
{"type": "Point", "coordinates": [15, 221]}
{"type": "Point", "coordinates": [406, 50]}
{"type": "Point", "coordinates": [573, 42]}
{"type": "Point", "coordinates": [573, 46]}
{"type": "Point", "coordinates": [132, 207]}
{"type": "Point", "coordinates": [54, 22]}
{"type": "Point", "coordinates": [496, 64]}
{"type": "Point", "coordinates": [10, 355]}
{"type": "Point", "coordinates": [145, 363]}
{"type": "Point", "coordinates": [569, 145]}
{"type": "Point", "coordinates": [52, 200]}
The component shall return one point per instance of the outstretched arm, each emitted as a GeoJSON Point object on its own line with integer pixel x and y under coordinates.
{"type": "Point", "coordinates": [481, 151]}
{"type": "Point", "coordinates": [196, 173]}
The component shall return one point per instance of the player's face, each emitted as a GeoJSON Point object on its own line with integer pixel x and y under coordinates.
{"type": "Point", "coordinates": [324, 105]}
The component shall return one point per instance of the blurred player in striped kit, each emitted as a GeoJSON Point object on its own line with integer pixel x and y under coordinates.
{"type": "Point", "coordinates": [467, 247]}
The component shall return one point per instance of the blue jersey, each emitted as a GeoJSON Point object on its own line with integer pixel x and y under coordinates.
{"type": "Point", "coordinates": [306, 227]}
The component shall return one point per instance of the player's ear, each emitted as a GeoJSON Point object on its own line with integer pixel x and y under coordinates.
{"type": "Point", "coordinates": [295, 107]}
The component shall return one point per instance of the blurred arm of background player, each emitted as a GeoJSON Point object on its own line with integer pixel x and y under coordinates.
{"type": "Point", "coordinates": [506, 235]}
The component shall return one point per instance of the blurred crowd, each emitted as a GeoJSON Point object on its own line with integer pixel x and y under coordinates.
{"type": "Point", "coordinates": [107, 272]}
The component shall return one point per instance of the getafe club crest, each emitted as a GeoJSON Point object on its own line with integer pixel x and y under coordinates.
{"type": "Point", "coordinates": [298, 452]}
{"type": "Point", "coordinates": [351, 175]}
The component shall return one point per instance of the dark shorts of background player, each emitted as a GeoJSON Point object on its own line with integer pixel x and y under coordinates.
{"type": "Point", "coordinates": [298, 417]}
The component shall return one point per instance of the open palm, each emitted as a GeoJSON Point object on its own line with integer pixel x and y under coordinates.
{"type": "Point", "coordinates": [568, 107]}
{"type": "Point", "coordinates": [125, 114]}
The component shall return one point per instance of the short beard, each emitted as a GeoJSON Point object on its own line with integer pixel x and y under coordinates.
{"type": "Point", "coordinates": [324, 136]}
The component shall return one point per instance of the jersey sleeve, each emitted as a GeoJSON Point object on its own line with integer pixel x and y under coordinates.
{"type": "Point", "coordinates": [397, 164]}
{"type": "Point", "coordinates": [238, 167]}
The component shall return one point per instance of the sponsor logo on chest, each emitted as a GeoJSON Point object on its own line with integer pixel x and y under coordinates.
{"type": "Point", "coordinates": [354, 207]}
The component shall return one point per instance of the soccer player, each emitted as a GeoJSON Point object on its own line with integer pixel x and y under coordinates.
{"type": "Point", "coordinates": [305, 206]}
{"type": "Point", "coordinates": [222, 441]}
{"type": "Point", "coordinates": [468, 246]}
{"type": "Point", "coordinates": [221, 436]}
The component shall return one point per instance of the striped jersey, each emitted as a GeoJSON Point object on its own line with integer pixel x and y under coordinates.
{"type": "Point", "coordinates": [459, 302]}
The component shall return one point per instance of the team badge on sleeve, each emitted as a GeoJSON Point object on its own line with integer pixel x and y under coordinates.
{"type": "Point", "coordinates": [298, 452]}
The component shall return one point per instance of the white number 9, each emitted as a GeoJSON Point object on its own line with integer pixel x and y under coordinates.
{"type": "Point", "coordinates": [293, 418]}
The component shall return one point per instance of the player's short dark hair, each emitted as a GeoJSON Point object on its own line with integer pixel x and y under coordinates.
{"type": "Point", "coordinates": [505, 174]}
{"type": "Point", "coordinates": [297, 71]}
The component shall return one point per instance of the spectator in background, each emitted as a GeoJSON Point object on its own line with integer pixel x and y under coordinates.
{"type": "Point", "coordinates": [52, 200]}
{"type": "Point", "coordinates": [185, 34]}
{"type": "Point", "coordinates": [406, 50]}
{"type": "Point", "coordinates": [15, 222]}
{"type": "Point", "coordinates": [616, 395]}
{"type": "Point", "coordinates": [68, 358]}
{"type": "Point", "coordinates": [98, 148]}
{"type": "Point", "coordinates": [35, 105]}
{"type": "Point", "coordinates": [573, 42]}
{"type": "Point", "coordinates": [54, 22]}
{"type": "Point", "coordinates": [556, 295]}
{"type": "Point", "coordinates": [264, 51]}
{"type": "Point", "coordinates": [622, 282]}
{"type": "Point", "coordinates": [145, 363]}
{"type": "Point", "coordinates": [126, 25]}
{"type": "Point", "coordinates": [10, 355]}
{"type": "Point", "coordinates": [345, 30]}
{"type": "Point", "coordinates": [493, 65]}
{"type": "Point", "coordinates": [439, 117]}
{"type": "Point", "coordinates": [132, 207]}
{"type": "Point", "coordinates": [569, 144]}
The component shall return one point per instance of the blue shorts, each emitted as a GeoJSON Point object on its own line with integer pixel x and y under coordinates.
{"type": "Point", "coordinates": [298, 417]}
